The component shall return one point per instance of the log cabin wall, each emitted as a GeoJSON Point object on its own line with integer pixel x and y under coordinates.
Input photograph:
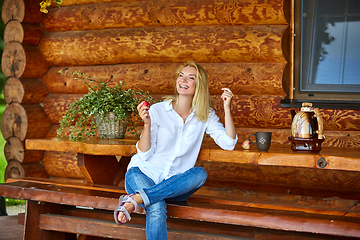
{"type": "Point", "coordinates": [244, 45]}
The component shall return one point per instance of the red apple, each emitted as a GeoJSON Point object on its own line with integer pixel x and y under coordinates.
{"type": "Point", "coordinates": [146, 104]}
{"type": "Point", "coordinates": [246, 145]}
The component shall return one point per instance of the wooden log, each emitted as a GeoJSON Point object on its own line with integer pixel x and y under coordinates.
{"type": "Point", "coordinates": [25, 90]}
{"type": "Point", "coordinates": [159, 78]}
{"type": "Point", "coordinates": [32, 33]}
{"type": "Point", "coordinates": [35, 169]}
{"type": "Point", "coordinates": [13, 59]}
{"type": "Point", "coordinates": [13, 10]}
{"type": "Point", "coordinates": [24, 121]}
{"type": "Point", "coordinates": [249, 111]}
{"type": "Point", "coordinates": [164, 13]}
{"type": "Point", "coordinates": [56, 105]}
{"type": "Point", "coordinates": [38, 123]}
{"type": "Point", "coordinates": [32, 12]}
{"type": "Point", "coordinates": [13, 32]}
{"type": "Point", "coordinates": [171, 44]}
{"type": "Point", "coordinates": [62, 164]}
{"type": "Point", "coordinates": [265, 112]}
{"type": "Point", "coordinates": [36, 65]}
{"type": "Point", "coordinates": [256, 111]}
{"type": "Point", "coordinates": [79, 2]}
{"type": "Point", "coordinates": [235, 174]}
{"type": "Point", "coordinates": [14, 122]}
{"type": "Point", "coordinates": [15, 150]}
{"type": "Point", "coordinates": [13, 90]}
{"type": "Point", "coordinates": [15, 169]}
{"type": "Point", "coordinates": [341, 139]}
{"type": "Point", "coordinates": [35, 90]}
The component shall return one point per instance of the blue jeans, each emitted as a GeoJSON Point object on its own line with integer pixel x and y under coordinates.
{"type": "Point", "coordinates": [178, 188]}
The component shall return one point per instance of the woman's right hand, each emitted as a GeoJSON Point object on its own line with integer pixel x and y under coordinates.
{"type": "Point", "coordinates": [144, 112]}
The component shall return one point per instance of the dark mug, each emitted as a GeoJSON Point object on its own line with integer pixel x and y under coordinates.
{"type": "Point", "coordinates": [263, 140]}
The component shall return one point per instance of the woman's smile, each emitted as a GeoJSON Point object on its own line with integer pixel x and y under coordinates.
{"type": "Point", "coordinates": [186, 81]}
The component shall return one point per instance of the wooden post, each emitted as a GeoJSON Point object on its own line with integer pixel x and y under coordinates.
{"type": "Point", "coordinates": [32, 222]}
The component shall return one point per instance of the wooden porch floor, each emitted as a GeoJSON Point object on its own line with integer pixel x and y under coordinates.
{"type": "Point", "coordinates": [10, 229]}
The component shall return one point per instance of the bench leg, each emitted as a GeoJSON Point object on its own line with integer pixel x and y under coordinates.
{"type": "Point", "coordinates": [32, 222]}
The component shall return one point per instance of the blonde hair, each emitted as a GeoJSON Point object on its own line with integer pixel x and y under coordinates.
{"type": "Point", "coordinates": [201, 101]}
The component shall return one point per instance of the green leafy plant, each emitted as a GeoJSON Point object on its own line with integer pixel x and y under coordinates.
{"type": "Point", "coordinates": [14, 202]}
{"type": "Point", "coordinates": [100, 100]}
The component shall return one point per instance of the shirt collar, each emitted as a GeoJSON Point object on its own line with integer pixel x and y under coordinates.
{"type": "Point", "coordinates": [168, 106]}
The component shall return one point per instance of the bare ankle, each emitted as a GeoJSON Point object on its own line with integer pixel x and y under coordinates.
{"type": "Point", "coordinates": [137, 198]}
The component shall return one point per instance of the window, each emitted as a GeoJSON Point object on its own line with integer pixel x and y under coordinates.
{"type": "Point", "coordinates": [327, 51]}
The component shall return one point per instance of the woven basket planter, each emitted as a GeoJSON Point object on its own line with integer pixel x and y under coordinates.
{"type": "Point", "coordinates": [110, 129]}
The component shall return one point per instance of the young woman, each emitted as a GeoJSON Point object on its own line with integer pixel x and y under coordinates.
{"type": "Point", "coordinates": [163, 168]}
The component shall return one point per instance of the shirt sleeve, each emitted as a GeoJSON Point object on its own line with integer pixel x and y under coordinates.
{"type": "Point", "coordinates": [154, 129]}
{"type": "Point", "coordinates": [216, 130]}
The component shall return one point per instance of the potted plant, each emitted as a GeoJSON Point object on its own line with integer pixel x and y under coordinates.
{"type": "Point", "coordinates": [109, 109]}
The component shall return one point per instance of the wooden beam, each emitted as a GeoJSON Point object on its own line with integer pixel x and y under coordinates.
{"type": "Point", "coordinates": [130, 14]}
{"type": "Point", "coordinates": [159, 78]}
{"type": "Point", "coordinates": [171, 44]}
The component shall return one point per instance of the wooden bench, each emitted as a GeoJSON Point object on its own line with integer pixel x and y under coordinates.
{"type": "Point", "coordinates": [248, 195]}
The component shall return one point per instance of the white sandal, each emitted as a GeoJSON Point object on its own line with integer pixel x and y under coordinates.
{"type": "Point", "coordinates": [120, 208]}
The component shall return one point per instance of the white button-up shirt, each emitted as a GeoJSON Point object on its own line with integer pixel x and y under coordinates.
{"type": "Point", "coordinates": [175, 145]}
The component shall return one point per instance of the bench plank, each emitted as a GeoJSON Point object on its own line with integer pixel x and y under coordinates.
{"type": "Point", "coordinates": [42, 190]}
{"type": "Point", "coordinates": [93, 146]}
{"type": "Point", "coordinates": [103, 228]}
{"type": "Point", "coordinates": [200, 210]}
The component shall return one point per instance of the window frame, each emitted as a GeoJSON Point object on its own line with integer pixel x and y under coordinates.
{"type": "Point", "coordinates": [329, 99]}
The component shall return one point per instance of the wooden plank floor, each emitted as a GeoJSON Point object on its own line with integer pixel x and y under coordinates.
{"type": "Point", "coordinates": [10, 229]}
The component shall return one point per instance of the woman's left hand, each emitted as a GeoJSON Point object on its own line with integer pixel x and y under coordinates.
{"type": "Point", "coordinates": [227, 97]}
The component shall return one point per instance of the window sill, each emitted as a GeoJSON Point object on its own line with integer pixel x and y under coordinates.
{"type": "Point", "coordinates": [287, 103]}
